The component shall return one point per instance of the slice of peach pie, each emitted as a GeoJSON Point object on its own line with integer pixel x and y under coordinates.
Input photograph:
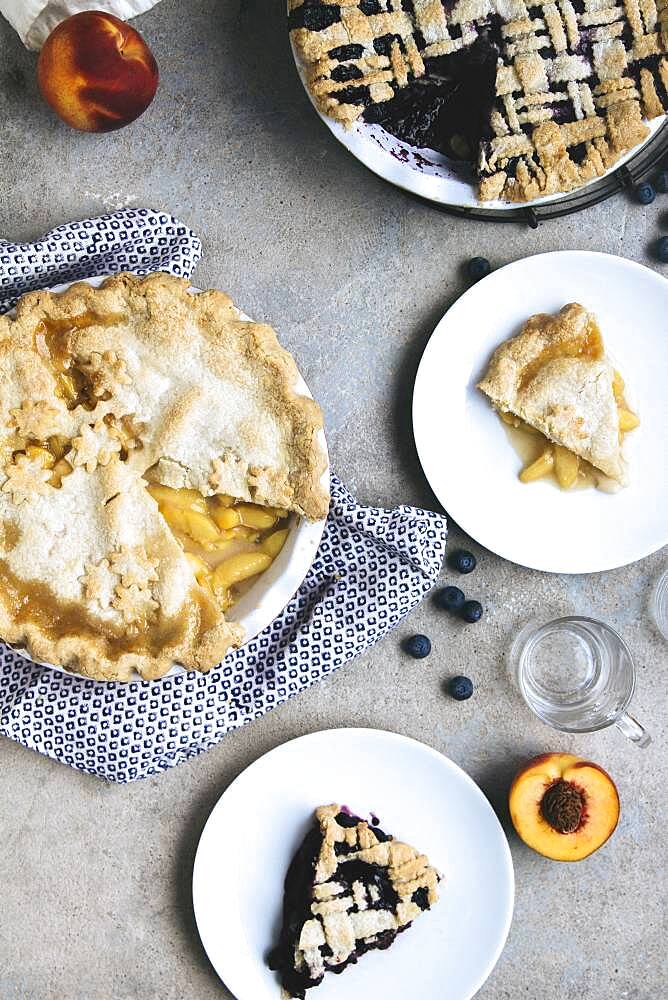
{"type": "Point", "coordinates": [153, 455]}
{"type": "Point", "coordinates": [555, 382]}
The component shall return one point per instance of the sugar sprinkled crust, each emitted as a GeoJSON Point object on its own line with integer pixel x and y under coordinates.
{"type": "Point", "coordinates": [178, 388]}
{"type": "Point", "coordinates": [573, 82]}
{"type": "Point", "coordinates": [351, 888]}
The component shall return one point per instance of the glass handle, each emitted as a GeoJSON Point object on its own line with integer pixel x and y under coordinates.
{"type": "Point", "coordinates": [633, 730]}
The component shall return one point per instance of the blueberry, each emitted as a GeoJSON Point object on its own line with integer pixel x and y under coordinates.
{"type": "Point", "coordinates": [460, 688]}
{"type": "Point", "coordinates": [662, 249]}
{"type": "Point", "coordinates": [645, 193]}
{"type": "Point", "coordinates": [463, 561]}
{"type": "Point", "coordinates": [417, 646]}
{"type": "Point", "coordinates": [478, 267]}
{"type": "Point", "coordinates": [450, 598]}
{"type": "Point", "coordinates": [662, 182]}
{"type": "Point", "coordinates": [471, 611]}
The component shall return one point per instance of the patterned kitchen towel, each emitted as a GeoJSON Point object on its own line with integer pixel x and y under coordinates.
{"type": "Point", "coordinates": [373, 566]}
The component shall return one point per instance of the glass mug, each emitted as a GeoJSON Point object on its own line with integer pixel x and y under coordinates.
{"type": "Point", "coordinates": [577, 675]}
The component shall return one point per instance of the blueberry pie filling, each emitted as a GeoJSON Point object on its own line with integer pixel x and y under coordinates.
{"type": "Point", "coordinates": [350, 888]}
{"type": "Point", "coordinates": [540, 97]}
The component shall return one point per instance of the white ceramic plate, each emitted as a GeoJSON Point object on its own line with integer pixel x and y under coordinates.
{"type": "Point", "coordinates": [265, 600]}
{"type": "Point", "coordinates": [420, 796]}
{"type": "Point", "coordinates": [426, 172]}
{"type": "Point", "coordinates": [465, 452]}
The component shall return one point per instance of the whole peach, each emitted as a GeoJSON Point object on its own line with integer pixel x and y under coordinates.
{"type": "Point", "coordinates": [97, 72]}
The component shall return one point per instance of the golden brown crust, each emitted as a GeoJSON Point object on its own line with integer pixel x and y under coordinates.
{"type": "Point", "coordinates": [137, 377]}
{"type": "Point", "coordinates": [555, 376]}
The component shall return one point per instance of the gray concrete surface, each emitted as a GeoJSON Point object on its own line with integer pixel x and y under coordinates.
{"type": "Point", "coordinates": [95, 879]}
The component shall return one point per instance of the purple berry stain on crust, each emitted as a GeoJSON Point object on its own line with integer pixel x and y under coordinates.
{"type": "Point", "coordinates": [421, 898]}
{"type": "Point", "coordinates": [347, 818]}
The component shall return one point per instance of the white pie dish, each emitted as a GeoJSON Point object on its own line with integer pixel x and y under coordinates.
{"type": "Point", "coordinates": [420, 796]}
{"type": "Point", "coordinates": [273, 590]}
{"type": "Point", "coordinates": [429, 174]}
{"type": "Point", "coordinates": [465, 452]}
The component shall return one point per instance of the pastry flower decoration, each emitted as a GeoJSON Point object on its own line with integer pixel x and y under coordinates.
{"type": "Point", "coordinates": [134, 603]}
{"type": "Point", "coordinates": [35, 419]}
{"type": "Point", "coordinates": [26, 477]}
{"type": "Point", "coordinates": [106, 371]}
{"type": "Point", "coordinates": [223, 468]}
{"type": "Point", "coordinates": [98, 584]}
{"type": "Point", "coordinates": [128, 430]}
{"type": "Point", "coordinates": [134, 566]}
{"type": "Point", "coordinates": [96, 445]}
{"type": "Point", "coordinates": [123, 581]}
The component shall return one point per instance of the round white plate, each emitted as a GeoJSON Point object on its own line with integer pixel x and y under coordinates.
{"type": "Point", "coordinates": [419, 796]}
{"type": "Point", "coordinates": [427, 173]}
{"type": "Point", "coordinates": [466, 454]}
{"type": "Point", "coordinates": [272, 591]}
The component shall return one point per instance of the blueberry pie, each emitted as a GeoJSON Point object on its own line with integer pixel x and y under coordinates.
{"type": "Point", "coordinates": [543, 96]}
{"type": "Point", "coordinates": [555, 381]}
{"type": "Point", "coordinates": [152, 452]}
{"type": "Point", "coordinates": [350, 889]}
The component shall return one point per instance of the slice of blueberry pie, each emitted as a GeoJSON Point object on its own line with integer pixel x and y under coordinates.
{"type": "Point", "coordinates": [543, 95]}
{"type": "Point", "coordinates": [350, 888]}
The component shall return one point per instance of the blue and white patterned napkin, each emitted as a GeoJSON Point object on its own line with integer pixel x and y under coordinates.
{"type": "Point", "coordinates": [373, 566]}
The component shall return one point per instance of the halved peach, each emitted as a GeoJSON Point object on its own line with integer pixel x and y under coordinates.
{"type": "Point", "coordinates": [563, 807]}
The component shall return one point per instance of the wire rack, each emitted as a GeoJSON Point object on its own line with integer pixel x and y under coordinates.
{"type": "Point", "coordinates": [647, 159]}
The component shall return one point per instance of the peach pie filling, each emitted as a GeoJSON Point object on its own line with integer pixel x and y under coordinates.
{"type": "Point", "coordinates": [75, 385]}
{"type": "Point", "coordinates": [51, 454]}
{"type": "Point", "coordinates": [227, 542]}
{"type": "Point", "coordinates": [544, 458]}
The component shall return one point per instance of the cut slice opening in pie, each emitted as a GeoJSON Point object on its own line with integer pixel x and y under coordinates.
{"type": "Point", "coordinates": [227, 542]}
{"type": "Point", "coordinates": [555, 379]}
{"type": "Point", "coordinates": [154, 453]}
{"type": "Point", "coordinates": [350, 888]}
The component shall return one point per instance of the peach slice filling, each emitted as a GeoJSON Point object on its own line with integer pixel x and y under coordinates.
{"type": "Point", "coordinates": [52, 342]}
{"type": "Point", "coordinates": [545, 458]}
{"type": "Point", "coordinates": [228, 543]}
{"type": "Point", "coordinates": [52, 455]}
{"type": "Point", "coordinates": [53, 452]}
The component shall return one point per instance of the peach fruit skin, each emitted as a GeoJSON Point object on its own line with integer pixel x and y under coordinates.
{"type": "Point", "coordinates": [97, 72]}
{"type": "Point", "coordinates": [601, 812]}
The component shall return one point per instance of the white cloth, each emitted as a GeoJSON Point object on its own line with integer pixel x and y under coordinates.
{"type": "Point", "coordinates": [35, 19]}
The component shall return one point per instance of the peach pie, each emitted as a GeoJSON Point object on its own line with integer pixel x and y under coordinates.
{"type": "Point", "coordinates": [153, 451]}
{"type": "Point", "coordinates": [555, 382]}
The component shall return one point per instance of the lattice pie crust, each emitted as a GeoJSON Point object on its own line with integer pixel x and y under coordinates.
{"type": "Point", "coordinates": [574, 78]}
